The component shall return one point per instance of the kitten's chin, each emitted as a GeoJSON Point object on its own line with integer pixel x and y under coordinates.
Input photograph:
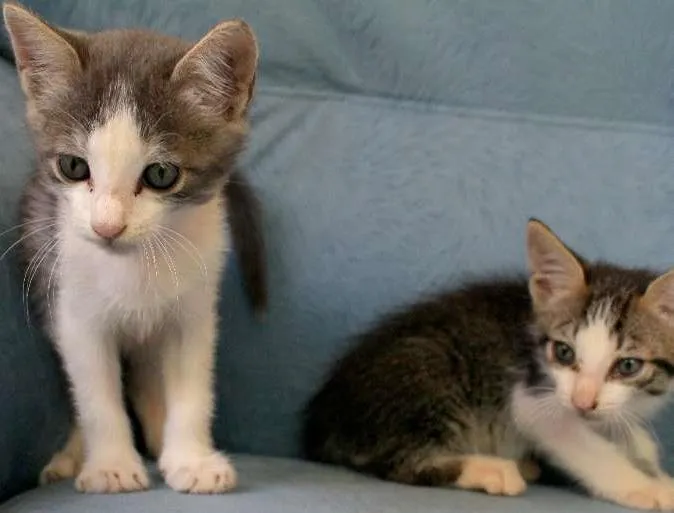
{"type": "Point", "coordinates": [114, 247]}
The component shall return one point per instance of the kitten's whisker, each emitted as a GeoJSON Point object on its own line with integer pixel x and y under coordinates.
{"type": "Point", "coordinates": [170, 250]}
{"type": "Point", "coordinates": [26, 273]}
{"type": "Point", "coordinates": [198, 261]}
{"type": "Point", "coordinates": [169, 262]}
{"type": "Point", "coordinates": [154, 260]}
{"type": "Point", "coordinates": [190, 244]}
{"type": "Point", "coordinates": [29, 268]}
{"type": "Point", "coordinates": [50, 220]}
{"type": "Point", "coordinates": [146, 265]}
{"type": "Point", "coordinates": [51, 292]}
{"type": "Point", "coordinates": [36, 269]}
{"type": "Point", "coordinates": [545, 407]}
{"type": "Point", "coordinates": [24, 237]}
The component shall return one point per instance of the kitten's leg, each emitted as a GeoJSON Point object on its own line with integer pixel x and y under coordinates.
{"type": "Point", "coordinates": [589, 457]}
{"type": "Point", "coordinates": [111, 463]}
{"type": "Point", "coordinates": [146, 391]}
{"type": "Point", "coordinates": [643, 451]}
{"type": "Point", "coordinates": [189, 461]}
{"type": "Point", "coordinates": [67, 462]}
{"type": "Point", "coordinates": [494, 475]}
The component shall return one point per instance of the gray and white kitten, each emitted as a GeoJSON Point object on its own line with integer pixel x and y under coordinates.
{"type": "Point", "coordinates": [126, 227]}
{"type": "Point", "coordinates": [464, 388]}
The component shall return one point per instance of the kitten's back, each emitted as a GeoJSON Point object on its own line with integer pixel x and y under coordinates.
{"type": "Point", "coordinates": [413, 383]}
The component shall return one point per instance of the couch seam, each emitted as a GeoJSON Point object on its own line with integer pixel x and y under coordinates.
{"type": "Point", "coordinates": [506, 116]}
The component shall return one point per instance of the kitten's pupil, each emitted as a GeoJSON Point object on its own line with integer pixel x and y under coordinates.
{"type": "Point", "coordinates": [564, 353]}
{"type": "Point", "coordinates": [73, 168]}
{"type": "Point", "coordinates": [627, 367]}
{"type": "Point", "coordinates": [160, 176]}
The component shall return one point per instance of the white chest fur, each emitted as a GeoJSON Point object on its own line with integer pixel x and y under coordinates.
{"type": "Point", "coordinates": [135, 291]}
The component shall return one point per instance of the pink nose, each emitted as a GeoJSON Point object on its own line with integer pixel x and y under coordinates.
{"type": "Point", "coordinates": [585, 404]}
{"type": "Point", "coordinates": [109, 231]}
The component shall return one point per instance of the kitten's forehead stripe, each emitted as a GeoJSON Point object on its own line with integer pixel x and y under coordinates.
{"type": "Point", "coordinates": [595, 344]}
{"type": "Point", "coordinates": [116, 151]}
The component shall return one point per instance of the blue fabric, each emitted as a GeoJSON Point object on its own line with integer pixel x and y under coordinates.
{"type": "Point", "coordinates": [271, 485]}
{"type": "Point", "coordinates": [397, 149]}
{"type": "Point", "coordinates": [609, 59]}
{"type": "Point", "coordinates": [33, 409]}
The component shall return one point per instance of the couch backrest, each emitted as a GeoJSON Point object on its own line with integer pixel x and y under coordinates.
{"type": "Point", "coordinates": [400, 146]}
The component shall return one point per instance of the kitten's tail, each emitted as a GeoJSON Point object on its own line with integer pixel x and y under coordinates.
{"type": "Point", "coordinates": [245, 221]}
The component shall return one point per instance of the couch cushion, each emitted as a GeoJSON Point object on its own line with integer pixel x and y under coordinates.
{"type": "Point", "coordinates": [610, 60]}
{"type": "Point", "coordinates": [271, 485]}
{"type": "Point", "coordinates": [33, 408]}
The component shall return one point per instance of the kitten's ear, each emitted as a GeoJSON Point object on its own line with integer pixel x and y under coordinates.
{"type": "Point", "coordinates": [218, 73]}
{"type": "Point", "coordinates": [659, 297]}
{"type": "Point", "coordinates": [556, 273]}
{"type": "Point", "coordinates": [45, 59]}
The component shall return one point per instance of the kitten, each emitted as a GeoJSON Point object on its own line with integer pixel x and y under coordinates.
{"type": "Point", "coordinates": [464, 388]}
{"type": "Point", "coordinates": [126, 226]}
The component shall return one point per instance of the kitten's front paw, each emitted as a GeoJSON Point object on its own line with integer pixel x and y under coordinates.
{"type": "Point", "coordinates": [62, 466]}
{"type": "Point", "coordinates": [495, 476]}
{"type": "Point", "coordinates": [113, 475]}
{"type": "Point", "coordinates": [656, 495]}
{"type": "Point", "coordinates": [198, 473]}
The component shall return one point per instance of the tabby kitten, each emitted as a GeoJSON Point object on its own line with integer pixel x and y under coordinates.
{"type": "Point", "coordinates": [126, 227]}
{"type": "Point", "coordinates": [464, 388]}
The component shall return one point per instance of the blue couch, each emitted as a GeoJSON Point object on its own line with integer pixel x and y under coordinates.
{"type": "Point", "coordinates": [398, 146]}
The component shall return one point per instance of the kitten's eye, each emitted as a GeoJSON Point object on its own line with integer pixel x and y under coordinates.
{"type": "Point", "coordinates": [563, 353]}
{"type": "Point", "coordinates": [628, 367]}
{"type": "Point", "coordinates": [73, 168]}
{"type": "Point", "coordinates": [160, 176]}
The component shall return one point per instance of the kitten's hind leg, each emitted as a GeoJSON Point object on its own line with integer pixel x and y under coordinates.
{"type": "Point", "coordinates": [491, 474]}
{"type": "Point", "coordinates": [67, 462]}
{"type": "Point", "coordinates": [494, 475]}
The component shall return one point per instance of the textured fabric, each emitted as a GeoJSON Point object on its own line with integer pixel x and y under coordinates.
{"type": "Point", "coordinates": [611, 59]}
{"type": "Point", "coordinates": [289, 486]}
{"type": "Point", "coordinates": [396, 150]}
{"type": "Point", "coordinates": [32, 400]}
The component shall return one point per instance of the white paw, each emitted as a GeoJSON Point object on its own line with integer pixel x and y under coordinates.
{"type": "Point", "coordinates": [113, 475]}
{"type": "Point", "coordinates": [190, 472]}
{"type": "Point", "coordinates": [495, 476]}
{"type": "Point", "coordinates": [62, 466]}
{"type": "Point", "coordinates": [655, 495]}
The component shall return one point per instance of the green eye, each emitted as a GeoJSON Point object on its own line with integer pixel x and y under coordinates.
{"type": "Point", "coordinates": [563, 353]}
{"type": "Point", "coordinates": [73, 168]}
{"type": "Point", "coordinates": [160, 176]}
{"type": "Point", "coordinates": [628, 367]}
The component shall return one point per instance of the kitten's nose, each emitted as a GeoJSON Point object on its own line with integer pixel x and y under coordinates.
{"type": "Point", "coordinates": [585, 394]}
{"type": "Point", "coordinates": [585, 406]}
{"type": "Point", "coordinates": [109, 231]}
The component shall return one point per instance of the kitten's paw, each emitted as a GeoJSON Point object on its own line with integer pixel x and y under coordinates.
{"type": "Point", "coordinates": [495, 476]}
{"type": "Point", "coordinates": [198, 472]}
{"type": "Point", "coordinates": [113, 475]}
{"type": "Point", "coordinates": [62, 466]}
{"type": "Point", "coordinates": [656, 495]}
